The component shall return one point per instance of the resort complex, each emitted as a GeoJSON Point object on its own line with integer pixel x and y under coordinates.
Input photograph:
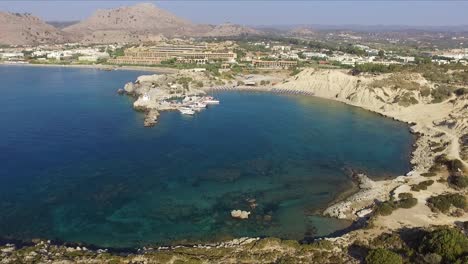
{"type": "Point", "coordinates": [190, 54]}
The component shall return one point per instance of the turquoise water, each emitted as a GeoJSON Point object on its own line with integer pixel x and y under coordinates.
{"type": "Point", "coordinates": [78, 165]}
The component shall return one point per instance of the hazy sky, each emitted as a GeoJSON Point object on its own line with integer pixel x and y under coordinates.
{"type": "Point", "coordinates": [330, 12]}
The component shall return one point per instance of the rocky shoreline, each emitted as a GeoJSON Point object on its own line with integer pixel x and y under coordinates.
{"type": "Point", "coordinates": [426, 120]}
{"type": "Point", "coordinates": [439, 127]}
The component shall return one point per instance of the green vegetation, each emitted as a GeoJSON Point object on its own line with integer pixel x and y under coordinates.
{"type": "Point", "coordinates": [295, 71]}
{"type": "Point", "coordinates": [458, 182]}
{"type": "Point", "coordinates": [449, 243]}
{"type": "Point", "coordinates": [405, 99]}
{"type": "Point", "coordinates": [454, 166]}
{"type": "Point", "coordinates": [422, 185]}
{"type": "Point", "coordinates": [406, 200]}
{"type": "Point", "coordinates": [428, 174]}
{"type": "Point", "coordinates": [448, 74]}
{"type": "Point", "coordinates": [378, 68]}
{"type": "Point", "coordinates": [444, 202]}
{"type": "Point", "coordinates": [117, 52]}
{"type": "Point", "coordinates": [443, 245]}
{"type": "Point", "coordinates": [385, 208]}
{"type": "Point", "coordinates": [441, 93]}
{"type": "Point", "coordinates": [383, 256]}
{"type": "Point", "coordinates": [460, 91]}
{"type": "Point", "coordinates": [185, 82]}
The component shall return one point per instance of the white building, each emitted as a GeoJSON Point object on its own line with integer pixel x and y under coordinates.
{"type": "Point", "coordinates": [12, 55]}
{"type": "Point", "coordinates": [315, 55]}
{"type": "Point", "coordinates": [281, 48]}
{"type": "Point", "coordinates": [94, 57]}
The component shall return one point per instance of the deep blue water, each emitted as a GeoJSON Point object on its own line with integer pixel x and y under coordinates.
{"type": "Point", "coordinates": [78, 165]}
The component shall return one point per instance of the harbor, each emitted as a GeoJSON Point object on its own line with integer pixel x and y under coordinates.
{"type": "Point", "coordinates": [189, 105]}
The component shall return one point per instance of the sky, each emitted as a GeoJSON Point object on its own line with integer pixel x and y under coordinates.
{"type": "Point", "coordinates": [331, 12]}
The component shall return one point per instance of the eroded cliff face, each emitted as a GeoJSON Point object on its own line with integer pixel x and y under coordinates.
{"type": "Point", "coordinates": [382, 92]}
{"type": "Point", "coordinates": [406, 97]}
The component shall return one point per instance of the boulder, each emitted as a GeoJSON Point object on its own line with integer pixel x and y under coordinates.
{"type": "Point", "coordinates": [240, 214]}
{"type": "Point", "coordinates": [129, 87]}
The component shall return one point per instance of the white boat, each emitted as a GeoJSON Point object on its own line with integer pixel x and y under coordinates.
{"type": "Point", "coordinates": [199, 105]}
{"type": "Point", "coordinates": [186, 111]}
{"type": "Point", "coordinates": [210, 101]}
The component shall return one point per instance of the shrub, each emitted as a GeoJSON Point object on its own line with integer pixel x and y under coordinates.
{"type": "Point", "coordinates": [459, 182]}
{"type": "Point", "coordinates": [406, 200]}
{"type": "Point", "coordinates": [455, 166]}
{"type": "Point", "coordinates": [422, 185]}
{"type": "Point", "coordinates": [443, 202]}
{"type": "Point", "coordinates": [383, 256]}
{"type": "Point", "coordinates": [391, 241]}
{"type": "Point", "coordinates": [428, 174]}
{"type": "Point", "coordinates": [446, 242]}
{"type": "Point", "coordinates": [441, 93]}
{"type": "Point", "coordinates": [462, 260]}
{"type": "Point", "coordinates": [405, 196]}
{"type": "Point", "coordinates": [385, 208]}
{"type": "Point", "coordinates": [408, 203]}
{"type": "Point", "coordinates": [199, 84]}
{"type": "Point", "coordinates": [461, 91]}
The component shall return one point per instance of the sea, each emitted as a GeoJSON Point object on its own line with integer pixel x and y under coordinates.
{"type": "Point", "coordinates": [79, 166]}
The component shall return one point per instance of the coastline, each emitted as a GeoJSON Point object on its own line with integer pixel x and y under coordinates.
{"type": "Point", "coordinates": [426, 119]}
{"type": "Point", "coordinates": [359, 198]}
{"type": "Point", "coordinates": [161, 70]}
{"type": "Point", "coordinates": [421, 122]}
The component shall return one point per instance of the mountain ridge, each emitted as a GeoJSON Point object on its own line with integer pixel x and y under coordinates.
{"type": "Point", "coordinates": [142, 22]}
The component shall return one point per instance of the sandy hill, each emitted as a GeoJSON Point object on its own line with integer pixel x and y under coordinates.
{"type": "Point", "coordinates": [25, 29]}
{"type": "Point", "coordinates": [228, 29]}
{"type": "Point", "coordinates": [302, 31]}
{"type": "Point", "coordinates": [143, 22]}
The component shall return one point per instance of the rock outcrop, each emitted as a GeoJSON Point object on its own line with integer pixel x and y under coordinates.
{"type": "Point", "coordinates": [240, 214]}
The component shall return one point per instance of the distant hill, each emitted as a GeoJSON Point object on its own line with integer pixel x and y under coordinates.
{"type": "Point", "coordinates": [144, 22]}
{"type": "Point", "coordinates": [228, 29]}
{"type": "Point", "coordinates": [25, 29]}
{"type": "Point", "coordinates": [302, 31]}
{"type": "Point", "coordinates": [62, 24]}
{"type": "Point", "coordinates": [131, 24]}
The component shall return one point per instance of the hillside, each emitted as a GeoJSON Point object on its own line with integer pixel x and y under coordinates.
{"type": "Point", "coordinates": [25, 29]}
{"type": "Point", "coordinates": [143, 22]}
{"type": "Point", "coordinates": [228, 29]}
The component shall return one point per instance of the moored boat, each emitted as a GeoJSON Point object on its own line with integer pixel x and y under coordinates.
{"type": "Point", "coordinates": [186, 111]}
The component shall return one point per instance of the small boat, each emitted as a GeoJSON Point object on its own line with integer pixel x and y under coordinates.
{"type": "Point", "coordinates": [186, 111]}
{"type": "Point", "coordinates": [199, 105]}
{"type": "Point", "coordinates": [210, 101]}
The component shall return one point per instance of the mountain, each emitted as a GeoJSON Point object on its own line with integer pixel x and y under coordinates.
{"type": "Point", "coordinates": [25, 29]}
{"type": "Point", "coordinates": [228, 29]}
{"type": "Point", "coordinates": [143, 22]}
{"type": "Point", "coordinates": [302, 31]}
{"type": "Point", "coordinates": [129, 24]}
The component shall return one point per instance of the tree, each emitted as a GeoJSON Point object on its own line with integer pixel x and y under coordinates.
{"type": "Point", "coordinates": [381, 53]}
{"type": "Point", "coordinates": [383, 256]}
{"type": "Point", "coordinates": [447, 242]}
